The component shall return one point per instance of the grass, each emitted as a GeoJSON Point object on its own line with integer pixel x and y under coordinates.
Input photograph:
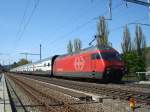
{"type": "Point", "coordinates": [133, 77]}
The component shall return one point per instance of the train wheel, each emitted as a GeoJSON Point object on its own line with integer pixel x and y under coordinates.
{"type": "Point", "coordinates": [117, 78]}
{"type": "Point", "coordinates": [106, 78]}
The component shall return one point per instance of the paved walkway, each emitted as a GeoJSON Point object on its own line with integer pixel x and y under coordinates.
{"type": "Point", "coordinates": [144, 82]}
{"type": "Point", "coordinates": [4, 99]}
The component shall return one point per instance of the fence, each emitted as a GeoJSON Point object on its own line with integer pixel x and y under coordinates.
{"type": "Point", "coordinates": [143, 75]}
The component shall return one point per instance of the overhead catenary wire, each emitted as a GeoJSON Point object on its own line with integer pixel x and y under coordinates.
{"type": "Point", "coordinates": [121, 27]}
{"type": "Point", "coordinates": [71, 20]}
{"type": "Point", "coordinates": [130, 23]}
{"type": "Point", "coordinates": [23, 18]}
{"type": "Point", "coordinates": [75, 29]}
{"type": "Point", "coordinates": [28, 20]}
{"type": "Point", "coordinates": [143, 24]}
{"type": "Point", "coordinates": [139, 2]}
{"type": "Point", "coordinates": [83, 25]}
{"type": "Point", "coordinates": [25, 24]}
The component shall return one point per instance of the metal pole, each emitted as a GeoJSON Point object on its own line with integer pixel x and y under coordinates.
{"type": "Point", "coordinates": [9, 65]}
{"type": "Point", "coordinates": [3, 62]}
{"type": "Point", "coordinates": [26, 56]}
{"type": "Point", "coordinates": [147, 4]}
{"type": "Point", "coordinates": [149, 8]}
{"type": "Point", "coordinates": [138, 2]}
{"type": "Point", "coordinates": [40, 51]}
{"type": "Point", "coordinates": [110, 11]}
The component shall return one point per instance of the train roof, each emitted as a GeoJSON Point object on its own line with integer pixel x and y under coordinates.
{"type": "Point", "coordinates": [89, 49]}
{"type": "Point", "coordinates": [82, 51]}
{"type": "Point", "coordinates": [46, 59]}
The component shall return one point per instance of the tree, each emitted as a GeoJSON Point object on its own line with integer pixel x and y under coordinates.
{"type": "Point", "coordinates": [140, 46]}
{"type": "Point", "coordinates": [134, 56]}
{"type": "Point", "coordinates": [140, 42]}
{"type": "Point", "coordinates": [14, 65]}
{"type": "Point", "coordinates": [77, 45]}
{"type": "Point", "coordinates": [19, 63]}
{"type": "Point", "coordinates": [148, 59]}
{"type": "Point", "coordinates": [102, 30]}
{"type": "Point", "coordinates": [126, 43]}
{"type": "Point", "coordinates": [23, 62]}
{"type": "Point", "coordinates": [70, 47]}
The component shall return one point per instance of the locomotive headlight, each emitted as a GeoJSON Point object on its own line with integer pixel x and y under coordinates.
{"type": "Point", "coordinates": [108, 70]}
{"type": "Point", "coordinates": [122, 68]}
{"type": "Point", "coordinates": [125, 70]}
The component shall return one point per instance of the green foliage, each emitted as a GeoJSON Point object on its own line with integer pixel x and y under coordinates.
{"type": "Point", "coordinates": [139, 40]}
{"type": "Point", "coordinates": [19, 63]}
{"type": "Point", "coordinates": [14, 65]}
{"type": "Point", "coordinates": [134, 59]}
{"type": "Point", "coordinates": [134, 63]}
{"type": "Point", "coordinates": [126, 44]}
{"type": "Point", "coordinates": [23, 62]}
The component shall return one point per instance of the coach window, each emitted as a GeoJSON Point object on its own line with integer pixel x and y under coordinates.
{"type": "Point", "coordinates": [95, 56]}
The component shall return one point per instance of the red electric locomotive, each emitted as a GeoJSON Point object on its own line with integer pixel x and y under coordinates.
{"type": "Point", "coordinates": [102, 63]}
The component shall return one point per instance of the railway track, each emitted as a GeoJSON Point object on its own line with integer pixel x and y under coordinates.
{"type": "Point", "coordinates": [47, 99]}
{"type": "Point", "coordinates": [123, 92]}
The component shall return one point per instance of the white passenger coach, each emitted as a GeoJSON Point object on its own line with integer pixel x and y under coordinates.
{"type": "Point", "coordinates": [40, 67]}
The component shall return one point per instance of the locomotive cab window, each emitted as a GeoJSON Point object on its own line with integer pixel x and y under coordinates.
{"type": "Point", "coordinates": [111, 56]}
{"type": "Point", "coordinates": [95, 56]}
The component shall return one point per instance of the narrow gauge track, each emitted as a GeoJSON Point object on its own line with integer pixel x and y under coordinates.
{"type": "Point", "coordinates": [123, 92]}
{"type": "Point", "coordinates": [45, 99]}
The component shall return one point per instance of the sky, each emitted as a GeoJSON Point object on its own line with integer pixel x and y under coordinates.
{"type": "Point", "coordinates": [25, 24]}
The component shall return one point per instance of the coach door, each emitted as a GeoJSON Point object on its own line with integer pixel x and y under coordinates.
{"type": "Point", "coordinates": [95, 58]}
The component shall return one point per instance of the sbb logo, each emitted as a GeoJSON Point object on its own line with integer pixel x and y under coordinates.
{"type": "Point", "coordinates": [79, 63]}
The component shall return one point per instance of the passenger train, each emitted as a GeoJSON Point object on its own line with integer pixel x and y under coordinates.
{"type": "Point", "coordinates": [102, 63]}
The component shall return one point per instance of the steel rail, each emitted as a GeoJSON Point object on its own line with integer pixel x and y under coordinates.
{"type": "Point", "coordinates": [41, 97]}
{"type": "Point", "coordinates": [121, 93]}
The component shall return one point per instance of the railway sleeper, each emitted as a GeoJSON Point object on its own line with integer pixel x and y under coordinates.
{"type": "Point", "coordinates": [86, 98]}
{"type": "Point", "coordinates": [33, 91]}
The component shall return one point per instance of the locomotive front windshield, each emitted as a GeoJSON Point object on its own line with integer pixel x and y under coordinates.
{"type": "Point", "coordinates": [110, 56]}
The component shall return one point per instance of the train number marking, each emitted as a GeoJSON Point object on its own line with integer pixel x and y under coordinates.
{"type": "Point", "coordinates": [79, 63]}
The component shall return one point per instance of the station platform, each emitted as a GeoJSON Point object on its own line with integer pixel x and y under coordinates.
{"type": "Point", "coordinates": [4, 98]}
